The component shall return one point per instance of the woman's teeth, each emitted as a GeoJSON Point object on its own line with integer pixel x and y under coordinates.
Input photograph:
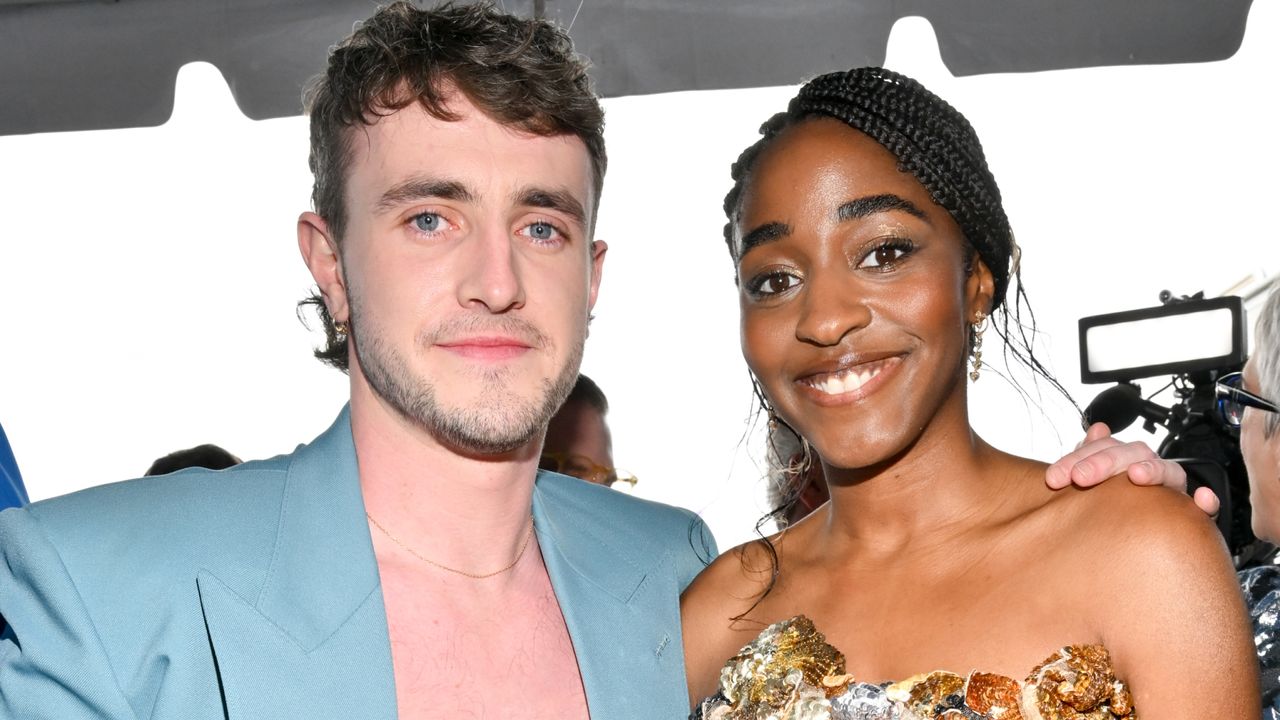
{"type": "Point", "coordinates": [846, 381]}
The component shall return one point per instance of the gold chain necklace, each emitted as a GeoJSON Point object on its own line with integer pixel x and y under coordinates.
{"type": "Point", "coordinates": [464, 573]}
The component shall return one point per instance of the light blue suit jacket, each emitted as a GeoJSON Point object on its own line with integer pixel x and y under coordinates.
{"type": "Point", "coordinates": [253, 592]}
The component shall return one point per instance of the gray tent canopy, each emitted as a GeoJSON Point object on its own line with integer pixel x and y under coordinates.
{"type": "Point", "coordinates": [98, 64]}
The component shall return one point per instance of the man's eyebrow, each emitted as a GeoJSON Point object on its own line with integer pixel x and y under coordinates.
{"type": "Point", "coordinates": [415, 189]}
{"type": "Point", "coordinates": [559, 200]}
{"type": "Point", "coordinates": [872, 204]}
{"type": "Point", "coordinates": [766, 233]}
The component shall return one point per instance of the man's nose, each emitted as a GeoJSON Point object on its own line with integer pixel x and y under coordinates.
{"type": "Point", "coordinates": [491, 272]}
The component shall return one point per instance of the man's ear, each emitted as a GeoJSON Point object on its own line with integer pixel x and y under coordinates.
{"type": "Point", "coordinates": [320, 252]}
{"type": "Point", "coordinates": [979, 289]}
{"type": "Point", "coordinates": [598, 250]}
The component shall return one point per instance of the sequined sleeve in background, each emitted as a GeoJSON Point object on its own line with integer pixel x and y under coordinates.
{"type": "Point", "coordinates": [1261, 586]}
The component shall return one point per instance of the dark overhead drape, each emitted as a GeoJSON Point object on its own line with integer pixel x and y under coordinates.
{"type": "Point", "coordinates": [87, 64]}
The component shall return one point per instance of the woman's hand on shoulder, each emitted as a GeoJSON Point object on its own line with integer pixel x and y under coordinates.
{"type": "Point", "coordinates": [1168, 604]}
{"type": "Point", "coordinates": [1100, 456]}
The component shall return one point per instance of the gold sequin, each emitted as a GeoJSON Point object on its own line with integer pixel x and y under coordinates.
{"type": "Point", "coordinates": [994, 695]}
{"type": "Point", "coordinates": [1077, 683]}
{"type": "Point", "coordinates": [789, 672]}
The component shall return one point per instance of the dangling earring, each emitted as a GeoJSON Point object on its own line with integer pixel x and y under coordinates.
{"type": "Point", "coordinates": [341, 328]}
{"type": "Point", "coordinates": [979, 327]}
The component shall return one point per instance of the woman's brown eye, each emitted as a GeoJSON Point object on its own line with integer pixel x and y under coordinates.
{"type": "Point", "coordinates": [770, 284]}
{"type": "Point", "coordinates": [888, 254]}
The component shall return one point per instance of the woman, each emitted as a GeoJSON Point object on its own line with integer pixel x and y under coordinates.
{"type": "Point", "coordinates": [872, 252]}
{"type": "Point", "coordinates": [1248, 401]}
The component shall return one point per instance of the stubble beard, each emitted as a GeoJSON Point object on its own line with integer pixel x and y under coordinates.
{"type": "Point", "coordinates": [496, 422]}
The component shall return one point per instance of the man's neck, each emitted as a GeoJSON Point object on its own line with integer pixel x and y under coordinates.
{"type": "Point", "coordinates": [459, 511]}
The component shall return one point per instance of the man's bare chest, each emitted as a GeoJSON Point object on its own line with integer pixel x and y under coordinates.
{"type": "Point", "coordinates": [460, 653]}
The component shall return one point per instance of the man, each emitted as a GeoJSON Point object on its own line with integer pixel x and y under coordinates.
{"type": "Point", "coordinates": [578, 440]}
{"type": "Point", "coordinates": [406, 559]}
{"type": "Point", "coordinates": [410, 561]}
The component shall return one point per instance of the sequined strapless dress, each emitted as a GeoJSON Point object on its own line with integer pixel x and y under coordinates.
{"type": "Point", "coordinates": [789, 672]}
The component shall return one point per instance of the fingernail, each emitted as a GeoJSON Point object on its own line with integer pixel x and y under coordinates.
{"type": "Point", "coordinates": [1148, 467]}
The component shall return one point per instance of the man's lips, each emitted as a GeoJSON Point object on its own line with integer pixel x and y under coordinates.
{"type": "Point", "coordinates": [486, 347]}
{"type": "Point", "coordinates": [850, 379]}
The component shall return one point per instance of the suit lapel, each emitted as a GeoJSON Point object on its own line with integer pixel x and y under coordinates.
{"type": "Point", "coordinates": [622, 611]}
{"type": "Point", "coordinates": [314, 642]}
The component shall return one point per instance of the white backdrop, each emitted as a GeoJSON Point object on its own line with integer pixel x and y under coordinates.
{"type": "Point", "coordinates": [149, 276]}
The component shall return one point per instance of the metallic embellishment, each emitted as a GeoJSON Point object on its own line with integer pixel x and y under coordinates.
{"type": "Point", "coordinates": [864, 701]}
{"type": "Point", "coordinates": [789, 672]}
{"type": "Point", "coordinates": [979, 327]}
{"type": "Point", "coordinates": [994, 695]}
{"type": "Point", "coordinates": [1075, 680]}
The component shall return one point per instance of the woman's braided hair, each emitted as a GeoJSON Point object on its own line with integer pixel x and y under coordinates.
{"type": "Point", "coordinates": [938, 146]}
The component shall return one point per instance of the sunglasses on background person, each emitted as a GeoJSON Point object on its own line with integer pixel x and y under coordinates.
{"type": "Point", "coordinates": [585, 468]}
{"type": "Point", "coordinates": [1233, 399]}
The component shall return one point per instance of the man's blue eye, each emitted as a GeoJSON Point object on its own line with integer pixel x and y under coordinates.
{"type": "Point", "coordinates": [542, 231]}
{"type": "Point", "coordinates": [427, 222]}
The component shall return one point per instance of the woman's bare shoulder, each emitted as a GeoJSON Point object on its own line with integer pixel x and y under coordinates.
{"type": "Point", "coordinates": [732, 579]}
{"type": "Point", "coordinates": [1130, 518]}
{"type": "Point", "coordinates": [715, 611]}
{"type": "Point", "coordinates": [1168, 599]}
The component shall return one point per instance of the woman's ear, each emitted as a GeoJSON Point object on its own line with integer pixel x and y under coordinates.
{"type": "Point", "coordinates": [979, 289]}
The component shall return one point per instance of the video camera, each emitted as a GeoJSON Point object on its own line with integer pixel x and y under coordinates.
{"type": "Point", "coordinates": [1196, 340]}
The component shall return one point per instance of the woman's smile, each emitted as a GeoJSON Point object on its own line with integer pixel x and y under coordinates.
{"type": "Point", "coordinates": [853, 379]}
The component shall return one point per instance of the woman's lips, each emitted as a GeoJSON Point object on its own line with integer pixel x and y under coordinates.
{"type": "Point", "coordinates": [849, 383]}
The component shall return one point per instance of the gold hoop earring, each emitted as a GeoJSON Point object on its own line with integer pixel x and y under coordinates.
{"type": "Point", "coordinates": [979, 327]}
{"type": "Point", "coordinates": [341, 328]}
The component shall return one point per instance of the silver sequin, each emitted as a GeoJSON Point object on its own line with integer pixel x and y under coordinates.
{"type": "Point", "coordinates": [863, 701]}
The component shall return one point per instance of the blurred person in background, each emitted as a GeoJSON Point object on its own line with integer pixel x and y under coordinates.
{"type": "Point", "coordinates": [579, 443]}
{"type": "Point", "coordinates": [12, 492]}
{"type": "Point", "coordinates": [207, 456]}
{"type": "Point", "coordinates": [1248, 400]}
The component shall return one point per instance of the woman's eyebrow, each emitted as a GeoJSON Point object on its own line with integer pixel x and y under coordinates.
{"type": "Point", "coordinates": [767, 232]}
{"type": "Point", "coordinates": [873, 204]}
